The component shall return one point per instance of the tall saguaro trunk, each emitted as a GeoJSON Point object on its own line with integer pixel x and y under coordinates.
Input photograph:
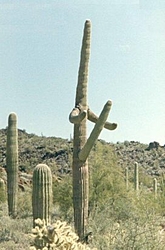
{"type": "Point", "coordinates": [82, 146]}
{"type": "Point", "coordinates": [80, 168]}
{"type": "Point", "coordinates": [12, 164]}
{"type": "Point", "coordinates": [136, 177]}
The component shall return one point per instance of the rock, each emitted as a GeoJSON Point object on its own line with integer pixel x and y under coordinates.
{"type": "Point", "coordinates": [153, 145]}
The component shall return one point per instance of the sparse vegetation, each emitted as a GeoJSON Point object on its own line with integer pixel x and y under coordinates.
{"type": "Point", "coordinates": [118, 219]}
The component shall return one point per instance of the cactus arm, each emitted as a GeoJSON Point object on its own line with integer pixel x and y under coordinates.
{"type": "Point", "coordinates": [93, 118]}
{"type": "Point", "coordinates": [95, 132]}
{"type": "Point", "coordinates": [77, 115]}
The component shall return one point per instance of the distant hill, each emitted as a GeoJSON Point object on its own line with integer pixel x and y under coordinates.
{"type": "Point", "coordinates": [35, 149]}
{"type": "Point", "coordinates": [57, 154]}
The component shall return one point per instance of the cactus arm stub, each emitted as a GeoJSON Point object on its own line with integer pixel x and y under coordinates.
{"type": "Point", "coordinates": [77, 115]}
{"type": "Point", "coordinates": [93, 118]}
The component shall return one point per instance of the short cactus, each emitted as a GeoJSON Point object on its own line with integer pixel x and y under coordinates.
{"type": "Point", "coordinates": [12, 164]}
{"type": "Point", "coordinates": [42, 193]}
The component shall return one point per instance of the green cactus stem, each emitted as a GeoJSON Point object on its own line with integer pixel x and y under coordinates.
{"type": "Point", "coordinates": [80, 169]}
{"type": "Point", "coordinates": [136, 176]}
{"type": "Point", "coordinates": [126, 178]}
{"type": "Point", "coordinates": [12, 164]}
{"type": "Point", "coordinates": [95, 132]}
{"type": "Point", "coordinates": [42, 193]}
{"type": "Point", "coordinates": [2, 190]}
{"type": "Point", "coordinates": [155, 185]}
{"type": "Point", "coordinates": [93, 118]}
{"type": "Point", "coordinates": [82, 146]}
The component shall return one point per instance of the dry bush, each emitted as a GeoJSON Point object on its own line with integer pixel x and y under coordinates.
{"type": "Point", "coordinates": [13, 232]}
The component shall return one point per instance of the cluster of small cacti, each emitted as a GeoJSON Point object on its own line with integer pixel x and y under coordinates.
{"type": "Point", "coordinates": [58, 236]}
{"type": "Point", "coordinates": [136, 180]}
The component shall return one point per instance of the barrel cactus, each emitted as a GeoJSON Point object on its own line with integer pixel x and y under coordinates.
{"type": "Point", "coordinates": [12, 164]}
{"type": "Point", "coordinates": [42, 193]}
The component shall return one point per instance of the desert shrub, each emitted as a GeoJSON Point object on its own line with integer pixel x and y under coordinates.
{"type": "Point", "coordinates": [62, 197]}
{"type": "Point", "coordinates": [13, 232]}
{"type": "Point", "coordinates": [106, 182]}
{"type": "Point", "coordinates": [106, 178]}
{"type": "Point", "coordinates": [141, 230]}
{"type": "Point", "coordinates": [24, 208]}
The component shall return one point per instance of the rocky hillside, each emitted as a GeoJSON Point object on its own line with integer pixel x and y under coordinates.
{"type": "Point", "coordinates": [150, 157]}
{"type": "Point", "coordinates": [57, 153]}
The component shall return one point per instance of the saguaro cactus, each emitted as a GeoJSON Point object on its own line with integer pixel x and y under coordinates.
{"type": "Point", "coordinates": [126, 178]}
{"type": "Point", "coordinates": [42, 193]}
{"type": "Point", "coordinates": [12, 164]}
{"type": "Point", "coordinates": [155, 186]}
{"type": "Point", "coordinates": [136, 177]}
{"type": "Point", "coordinates": [2, 190]}
{"type": "Point", "coordinates": [82, 146]}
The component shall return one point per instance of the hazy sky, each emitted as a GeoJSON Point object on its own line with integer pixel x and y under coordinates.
{"type": "Point", "coordinates": [40, 44]}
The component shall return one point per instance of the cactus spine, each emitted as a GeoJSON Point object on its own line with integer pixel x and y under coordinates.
{"type": "Point", "coordinates": [136, 176]}
{"type": "Point", "coordinates": [82, 146]}
{"type": "Point", "coordinates": [12, 164]}
{"type": "Point", "coordinates": [42, 193]}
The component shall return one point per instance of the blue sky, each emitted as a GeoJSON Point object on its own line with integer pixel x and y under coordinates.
{"type": "Point", "coordinates": [40, 44]}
